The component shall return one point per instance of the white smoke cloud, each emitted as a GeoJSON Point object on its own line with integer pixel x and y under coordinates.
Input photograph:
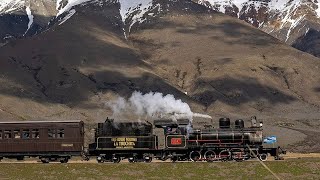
{"type": "Point", "coordinates": [202, 115]}
{"type": "Point", "coordinates": [153, 105]}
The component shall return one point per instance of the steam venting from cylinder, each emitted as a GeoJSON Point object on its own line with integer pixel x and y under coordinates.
{"type": "Point", "coordinates": [153, 105]}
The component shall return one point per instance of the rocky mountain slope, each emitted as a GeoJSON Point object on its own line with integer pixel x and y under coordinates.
{"type": "Point", "coordinates": [287, 20]}
{"type": "Point", "coordinates": [99, 50]}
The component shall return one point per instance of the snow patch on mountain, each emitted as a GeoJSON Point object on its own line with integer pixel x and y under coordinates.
{"type": "Point", "coordinates": [7, 6]}
{"type": "Point", "coordinates": [30, 16]}
{"type": "Point", "coordinates": [58, 4]}
{"type": "Point", "coordinates": [4, 3]}
{"type": "Point", "coordinates": [278, 17]}
{"type": "Point", "coordinates": [255, 4]}
{"type": "Point", "coordinates": [289, 11]}
{"type": "Point", "coordinates": [68, 6]}
{"type": "Point", "coordinates": [128, 7]}
{"type": "Point", "coordinates": [239, 4]}
{"type": "Point", "coordinates": [277, 5]}
{"type": "Point", "coordinates": [221, 5]}
{"type": "Point", "coordinates": [317, 2]}
{"type": "Point", "coordinates": [68, 16]}
{"type": "Point", "coordinates": [293, 24]}
{"type": "Point", "coordinates": [136, 11]}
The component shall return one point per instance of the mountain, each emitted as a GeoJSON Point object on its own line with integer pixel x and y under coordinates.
{"type": "Point", "coordinates": [19, 18]}
{"type": "Point", "coordinates": [78, 60]}
{"type": "Point", "coordinates": [287, 20]}
{"type": "Point", "coordinates": [22, 18]}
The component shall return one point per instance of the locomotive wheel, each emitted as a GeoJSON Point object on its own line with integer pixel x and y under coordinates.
{"type": "Point", "coordinates": [195, 156]}
{"type": "Point", "coordinates": [85, 158]}
{"type": "Point", "coordinates": [262, 157]}
{"type": "Point", "coordinates": [100, 159]}
{"type": "Point", "coordinates": [254, 154]}
{"type": "Point", "coordinates": [53, 159]}
{"type": "Point", "coordinates": [164, 158]}
{"type": "Point", "coordinates": [116, 159]}
{"type": "Point", "coordinates": [210, 156]}
{"type": "Point", "coordinates": [224, 155]}
{"type": "Point", "coordinates": [64, 160]}
{"type": "Point", "coordinates": [20, 158]}
{"type": "Point", "coordinates": [147, 159]}
{"type": "Point", "coordinates": [45, 160]}
{"type": "Point", "coordinates": [238, 155]}
{"type": "Point", "coordinates": [132, 159]}
{"type": "Point", "coordinates": [246, 156]}
{"type": "Point", "coordinates": [174, 158]}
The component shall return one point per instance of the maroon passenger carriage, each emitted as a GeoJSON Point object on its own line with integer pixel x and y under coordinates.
{"type": "Point", "coordinates": [48, 140]}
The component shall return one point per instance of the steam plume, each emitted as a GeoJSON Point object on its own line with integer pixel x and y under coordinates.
{"type": "Point", "coordinates": [153, 105]}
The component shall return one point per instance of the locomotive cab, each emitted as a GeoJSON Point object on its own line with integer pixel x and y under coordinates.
{"type": "Point", "coordinates": [175, 133]}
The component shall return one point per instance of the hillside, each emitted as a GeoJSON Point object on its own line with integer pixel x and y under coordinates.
{"type": "Point", "coordinates": [218, 64]}
{"type": "Point", "coordinates": [288, 20]}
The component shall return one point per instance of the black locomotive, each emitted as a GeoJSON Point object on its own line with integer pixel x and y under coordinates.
{"type": "Point", "coordinates": [137, 142]}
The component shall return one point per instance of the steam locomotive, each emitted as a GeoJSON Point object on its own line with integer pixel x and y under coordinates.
{"type": "Point", "coordinates": [137, 142]}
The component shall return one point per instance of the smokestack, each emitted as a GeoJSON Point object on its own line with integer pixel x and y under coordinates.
{"type": "Point", "coordinates": [254, 121]}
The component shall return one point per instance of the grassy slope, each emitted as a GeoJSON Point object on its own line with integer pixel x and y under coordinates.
{"type": "Point", "coordinates": [293, 169]}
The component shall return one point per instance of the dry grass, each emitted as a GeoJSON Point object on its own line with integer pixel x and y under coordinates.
{"type": "Point", "coordinates": [293, 169]}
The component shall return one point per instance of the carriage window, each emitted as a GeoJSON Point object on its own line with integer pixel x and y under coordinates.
{"type": "Point", "coordinates": [0, 134]}
{"type": "Point", "coordinates": [35, 133]}
{"type": "Point", "coordinates": [51, 133]}
{"type": "Point", "coordinates": [17, 134]}
{"type": "Point", "coordinates": [7, 134]}
{"type": "Point", "coordinates": [25, 134]}
{"type": "Point", "coordinates": [60, 133]}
